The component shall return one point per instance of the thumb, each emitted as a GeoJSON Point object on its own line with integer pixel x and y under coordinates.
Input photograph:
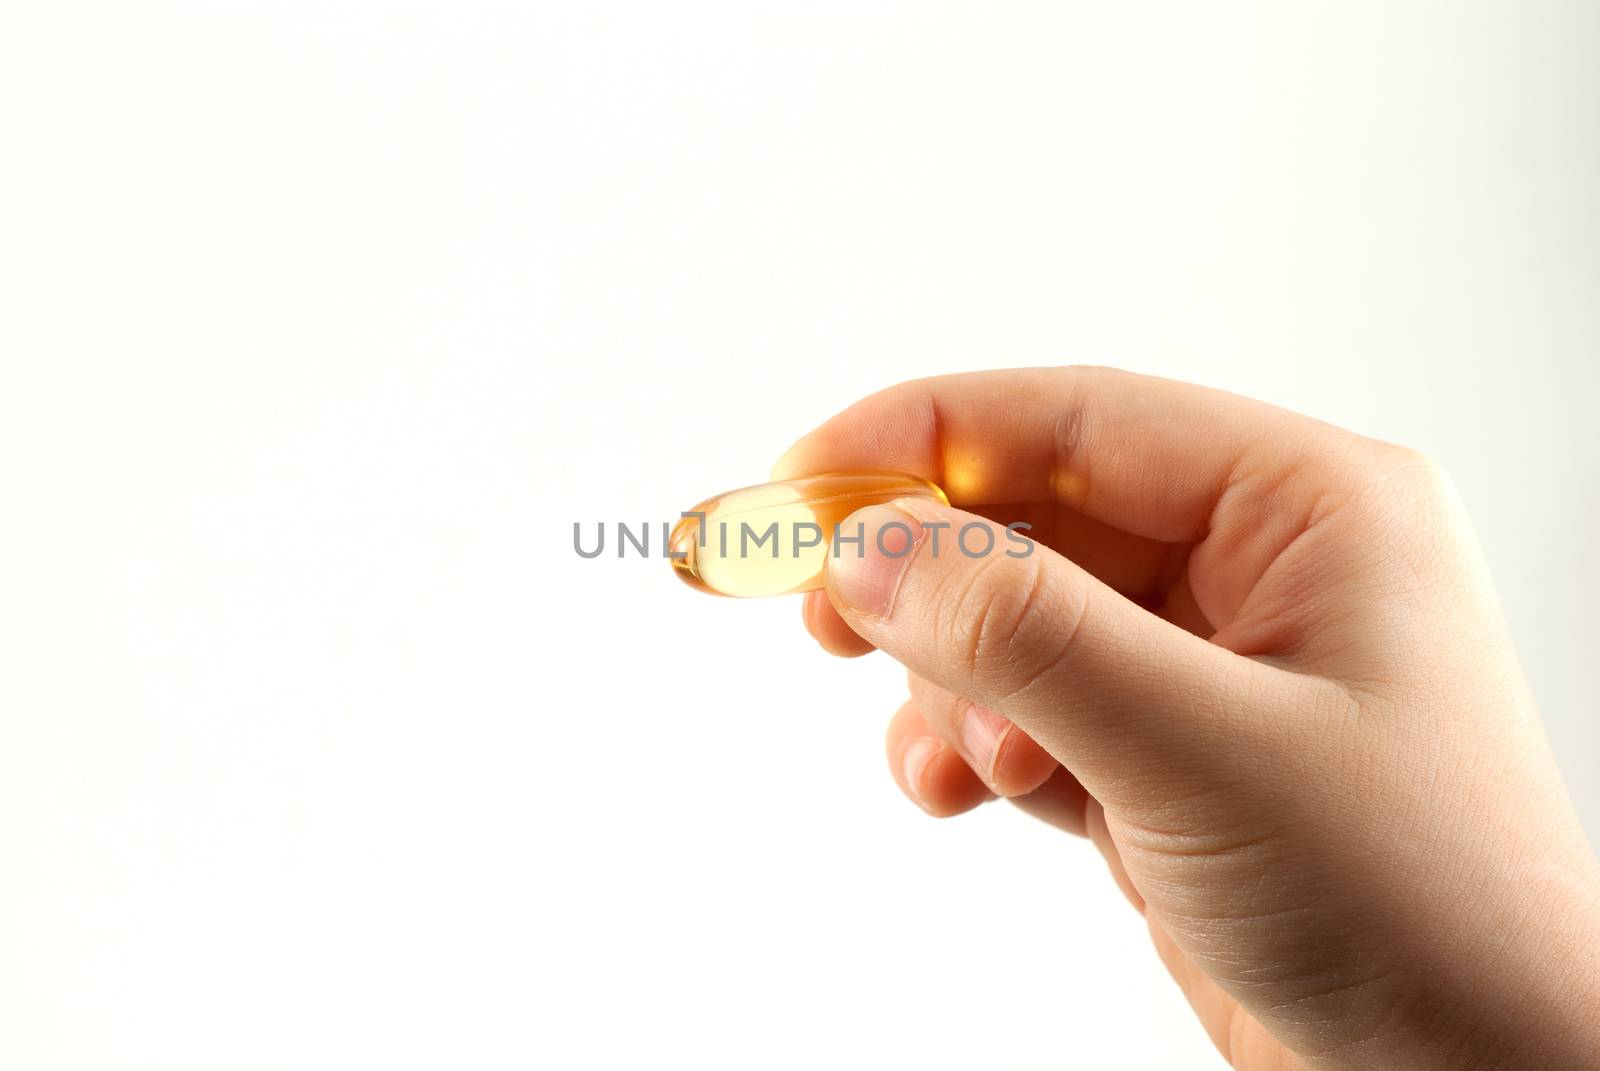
{"type": "Point", "coordinates": [1118, 695]}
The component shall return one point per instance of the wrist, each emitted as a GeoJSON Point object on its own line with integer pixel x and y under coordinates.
{"type": "Point", "coordinates": [1526, 990]}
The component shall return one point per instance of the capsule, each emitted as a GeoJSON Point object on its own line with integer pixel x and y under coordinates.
{"type": "Point", "coordinates": [773, 538]}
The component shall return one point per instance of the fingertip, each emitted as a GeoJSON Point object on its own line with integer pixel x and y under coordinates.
{"type": "Point", "coordinates": [788, 465]}
{"type": "Point", "coordinates": [1020, 764]}
{"type": "Point", "coordinates": [865, 580]}
{"type": "Point", "coordinates": [830, 631]}
{"type": "Point", "coordinates": [938, 779]}
{"type": "Point", "coordinates": [930, 772]}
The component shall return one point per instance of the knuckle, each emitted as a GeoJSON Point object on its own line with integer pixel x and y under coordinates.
{"type": "Point", "coordinates": [1410, 489]}
{"type": "Point", "coordinates": [1393, 461]}
{"type": "Point", "coordinates": [1009, 622]}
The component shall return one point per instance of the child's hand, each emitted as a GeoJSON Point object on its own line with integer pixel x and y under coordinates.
{"type": "Point", "coordinates": [1262, 666]}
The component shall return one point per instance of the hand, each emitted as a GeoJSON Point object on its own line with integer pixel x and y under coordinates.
{"type": "Point", "coordinates": [1259, 662]}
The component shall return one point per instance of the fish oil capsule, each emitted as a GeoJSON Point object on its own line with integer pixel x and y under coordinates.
{"type": "Point", "coordinates": [773, 538]}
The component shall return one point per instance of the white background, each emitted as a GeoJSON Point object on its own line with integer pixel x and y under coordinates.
{"type": "Point", "coordinates": [322, 323]}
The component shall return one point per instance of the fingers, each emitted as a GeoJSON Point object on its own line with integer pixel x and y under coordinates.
{"type": "Point", "coordinates": [1059, 800]}
{"type": "Point", "coordinates": [1004, 757]}
{"type": "Point", "coordinates": [829, 629]}
{"type": "Point", "coordinates": [1231, 482]}
{"type": "Point", "coordinates": [1147, 456]}
{"type": "Point", "coordinates": [1115, 693]}
{"type": "Point", "coordinates": [930, 772]}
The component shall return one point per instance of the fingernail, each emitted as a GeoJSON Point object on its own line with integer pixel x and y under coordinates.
{"type": "Point", "coordinates": [918, 753]}
{"type": "Point", "coordinates": [869, 555]}
{"type": "Point", "coordinates": [981, 732]}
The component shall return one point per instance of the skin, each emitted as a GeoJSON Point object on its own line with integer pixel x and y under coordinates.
{"type": "Point", "coordinates": [1258, 661]}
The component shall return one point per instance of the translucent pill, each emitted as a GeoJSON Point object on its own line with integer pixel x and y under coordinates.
{"type": "Point", "coordinates": [773, 538]}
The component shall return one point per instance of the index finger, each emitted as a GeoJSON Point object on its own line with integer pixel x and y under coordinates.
{"type": "Point", "coordinates": [1149, 456]}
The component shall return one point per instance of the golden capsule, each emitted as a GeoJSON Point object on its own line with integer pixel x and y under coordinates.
{"type": "Point", "coordinates": [773, 538]}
